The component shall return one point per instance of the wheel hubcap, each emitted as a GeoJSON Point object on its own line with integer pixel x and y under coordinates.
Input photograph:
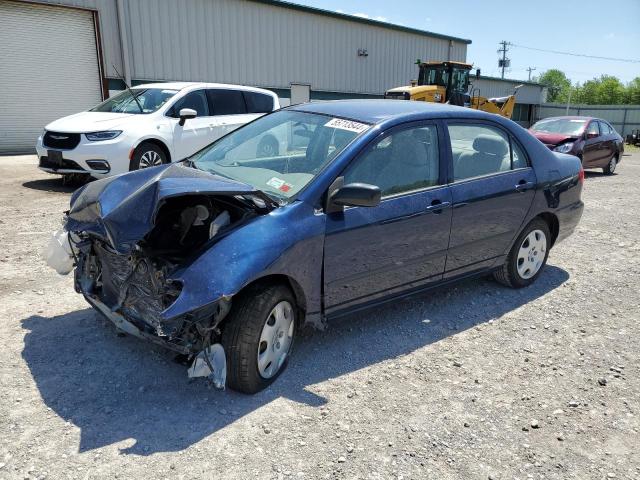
{"type": "Point", "coordinates": [532, 254]}
{"type": "Point", "coordinates": [150, 159]}
{"type": "Point", "coordinates": [276, 339]}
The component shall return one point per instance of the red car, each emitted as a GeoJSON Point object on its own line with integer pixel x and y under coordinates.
{"type": "Point", "coordinates": [593, 140]}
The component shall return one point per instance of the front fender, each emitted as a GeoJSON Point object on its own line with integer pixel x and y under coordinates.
{"type": "Point", "coordinates": [288, 241]}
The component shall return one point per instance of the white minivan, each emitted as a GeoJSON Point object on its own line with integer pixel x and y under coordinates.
{"type": "Point", "coordinates": [150, 125]}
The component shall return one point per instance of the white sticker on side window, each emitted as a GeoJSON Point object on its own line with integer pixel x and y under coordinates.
{"type": "Point", "coordinates": [347, 125]}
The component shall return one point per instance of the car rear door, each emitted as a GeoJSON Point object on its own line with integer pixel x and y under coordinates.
{"type": "Point", "coordinates": [195, 133]}
{"type": "Point", "coordinates": [371, 253]}
{"type": "Point", "coordinates": [229, 109]}
{"type": "Point", "coordinates": [492, 188]}
{"type": "Point", "coordinates": [608, 143]}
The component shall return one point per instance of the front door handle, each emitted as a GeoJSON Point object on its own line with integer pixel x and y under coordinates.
{"type": "Point", "coordinates": [523, 186]}
{"type": "Point", "coordinates": [437, 206]}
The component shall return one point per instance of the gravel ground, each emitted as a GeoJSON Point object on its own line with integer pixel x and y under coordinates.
{"type": "Point", "coordinates": [474, 382]}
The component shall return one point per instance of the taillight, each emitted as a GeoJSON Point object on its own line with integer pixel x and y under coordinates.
{"type": "Point", "coordinates": [581, 175]}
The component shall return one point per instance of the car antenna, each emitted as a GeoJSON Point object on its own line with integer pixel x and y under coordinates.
{"type": "Point", "coordinates": [128, 88]}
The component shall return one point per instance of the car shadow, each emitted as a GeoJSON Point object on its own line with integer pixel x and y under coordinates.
{"type": "Point", "coordinates": [56, 185]}
{"type": "Point", "coordinates": [116, 389]}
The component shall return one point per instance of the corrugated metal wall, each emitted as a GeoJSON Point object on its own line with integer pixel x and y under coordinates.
{"type": "Point", "coordinates": [528, 93]}
{"type": "Point", "coordinates": [109, 33]}
{"type": "Point", "coordinates": [240, 41]}
{"type": "Point", "coordinates": [624, 118]}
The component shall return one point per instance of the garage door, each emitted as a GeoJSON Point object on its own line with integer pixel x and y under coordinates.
{"type": "Point", "coordinates": [48, 69]}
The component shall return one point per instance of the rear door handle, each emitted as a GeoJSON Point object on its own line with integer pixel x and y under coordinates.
{"type": "Point", "coordinates": [523, 186]}
{"type": "Point", "coordinates": [437, 207]}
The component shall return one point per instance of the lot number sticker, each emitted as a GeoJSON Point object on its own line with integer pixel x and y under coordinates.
{"type": "Point", "coordinates": [347, 125]}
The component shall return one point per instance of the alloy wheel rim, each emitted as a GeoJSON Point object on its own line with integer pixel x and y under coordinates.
{"type": "Point", "coordinates": [532, 253]}
{"type": "Point", "coordinates": [150, 159]}
{"type": "Point", "coordinates": [276, 339]}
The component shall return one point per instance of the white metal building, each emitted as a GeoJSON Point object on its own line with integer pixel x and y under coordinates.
{"type": "Point", "coordinates": [58, 57]}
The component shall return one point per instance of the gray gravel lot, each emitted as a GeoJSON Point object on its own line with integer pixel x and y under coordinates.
{"type": "Point", "coordinates": [474, 382]}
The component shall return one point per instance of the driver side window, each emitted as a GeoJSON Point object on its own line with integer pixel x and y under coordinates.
{"type": "Point", "coordinates": [592, 129]}
{"type": "Point", "coordinates": [195, 100]}
{"type": "Point", "coordinates": [404, 161]}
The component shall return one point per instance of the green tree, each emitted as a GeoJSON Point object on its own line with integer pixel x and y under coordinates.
{"type": "Point", "coordinates": [557, 83]}
{"type": "Point", "coordinates": [632, 93]}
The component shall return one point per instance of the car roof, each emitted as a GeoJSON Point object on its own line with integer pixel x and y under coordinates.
{"type": "Point", "coordinates": [570, 117]}
{"type": "Point", "coordinates": [377, 111]}
{"type": "Point", "coordinates": [196, 85]}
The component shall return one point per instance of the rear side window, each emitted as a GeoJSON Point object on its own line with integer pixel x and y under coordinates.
{"type": "Point", "coordinates": [258, 102]}
{"type": "Point", "coordinates": [226, 102]}
{"type": "Point", "coordinates": [195, 100]}
{"type": "Point", "coordinates": [605, 129]}
{"type": "Point", "coordinates": [401, 162]}
{"type": "Point", "coordinates": [479, 150]}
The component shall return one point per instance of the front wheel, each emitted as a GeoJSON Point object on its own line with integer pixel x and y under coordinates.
{"type": "Point", "coordinates": [527, 257]}
{"type": "Point", "coordinates": [258, 336]}
{"type": "Point", "coordinates": [147, 155]}
{"type": "Point", "coordinates": [611, 166]}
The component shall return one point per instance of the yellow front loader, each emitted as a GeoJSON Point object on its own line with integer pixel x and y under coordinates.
{"type": "Point", "coordinates": [448, 82]}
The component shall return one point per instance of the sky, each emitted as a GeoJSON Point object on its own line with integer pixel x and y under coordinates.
{"type": "Point", "coordinates": [592, 27]}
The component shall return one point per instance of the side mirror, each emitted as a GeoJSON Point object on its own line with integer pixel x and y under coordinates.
{"type": "Point", "coordinates": [353, 195]}
{"type": "Point", "coordinates": [478, 73]}
{"type": "Point", "coordinates": [185, 114]}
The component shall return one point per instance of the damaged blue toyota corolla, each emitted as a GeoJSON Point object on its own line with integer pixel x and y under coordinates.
{"type": "Point", "coordinates": [224, 256]}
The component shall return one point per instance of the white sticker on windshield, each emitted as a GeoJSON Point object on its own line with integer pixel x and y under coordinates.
{"type": "Point", "coordinates": [347, 125]}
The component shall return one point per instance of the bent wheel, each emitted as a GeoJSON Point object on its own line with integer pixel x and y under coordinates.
{"type": "Point", "coordinates": [258, 336]}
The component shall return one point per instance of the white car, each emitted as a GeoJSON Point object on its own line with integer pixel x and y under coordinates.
{"type": "Point", "coordinates": [150, 125]}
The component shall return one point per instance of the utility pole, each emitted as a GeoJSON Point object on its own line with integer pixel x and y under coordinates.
{"type": "Point", "coordinates": [530, 69]}
{"type": "Point", "coordinates": [504, 62]}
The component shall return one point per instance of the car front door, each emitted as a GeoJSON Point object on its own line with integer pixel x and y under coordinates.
{"type": "Point", "coordinates": [492, 187]}
{"type": "Point", "coordinates": [374, 252]}
{"type": "Point", "coordinates": [592, 150]}
{"type": "Point", "coordinates": [195, 134]}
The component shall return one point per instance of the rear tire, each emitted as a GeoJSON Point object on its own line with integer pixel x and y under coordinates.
{"type": "Point", "coordinates": [257, 337]}
{"type": "Point", "coordinates": [611, 166]}
{"type": "Point", "coordinates": [147, 155]}
{"type": "Point", "coordinates": [528, 256]}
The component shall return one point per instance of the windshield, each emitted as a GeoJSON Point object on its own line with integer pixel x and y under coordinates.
{"type": "Point", "coordinates": [564, 126]}
{"type": "Point", "coordinates": [281, 152]}
{"type": "Point", "coordinates": [148, 100]}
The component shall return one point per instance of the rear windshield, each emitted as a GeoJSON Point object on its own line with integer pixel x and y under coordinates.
{"type": "Point", "coordinates": [564, 126]}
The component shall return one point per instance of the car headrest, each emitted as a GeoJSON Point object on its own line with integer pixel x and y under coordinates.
{"type": "Point", "coordinates": [490, 144]}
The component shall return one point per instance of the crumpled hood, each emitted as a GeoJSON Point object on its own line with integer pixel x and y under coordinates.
{"type": "Point", "coordinates": [552, 138]}
{"type": "Point", "coordinates": [91, 122]}
{"type": "Point", "coordinates": [122, 209]}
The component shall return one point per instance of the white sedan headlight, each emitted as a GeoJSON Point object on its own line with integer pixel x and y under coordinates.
{"type": "Point", "coordinates": [106, 135]}
{"type": "Point", "coordinates": [564, 148]}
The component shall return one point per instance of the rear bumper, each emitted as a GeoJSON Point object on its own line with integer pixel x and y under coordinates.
{"type": "Point", "coordinates": [568, 219]}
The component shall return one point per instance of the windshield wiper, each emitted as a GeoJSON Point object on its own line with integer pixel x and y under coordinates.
{"type": "Point", "coordinates": [128, 88]}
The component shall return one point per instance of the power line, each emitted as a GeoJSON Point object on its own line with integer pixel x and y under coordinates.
{"type": "Point", "coordinates": [573, 54]}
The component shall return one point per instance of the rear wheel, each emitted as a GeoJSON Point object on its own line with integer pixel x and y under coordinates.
{"type": "Point", "coordinates": [147, 155]}
{"type": "Point", "coordinates": [527, 257]}
{"type": "Point", "coordinates": [258, 336]}
{"type": "Point", "coordinates": [611, 166]}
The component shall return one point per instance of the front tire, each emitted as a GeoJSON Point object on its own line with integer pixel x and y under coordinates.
{"type": "Point", "coordinates": [611, 166]}
{"type": "Point", "coordinates": [258, 336]}
{"type": "Point", "coordinates": [527, 257]}
{"type": "Point", "coordinates": [147, 155]}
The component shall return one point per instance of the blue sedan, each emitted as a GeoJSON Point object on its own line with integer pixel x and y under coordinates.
{"type": "Point", "coordinates": [224, 256]}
